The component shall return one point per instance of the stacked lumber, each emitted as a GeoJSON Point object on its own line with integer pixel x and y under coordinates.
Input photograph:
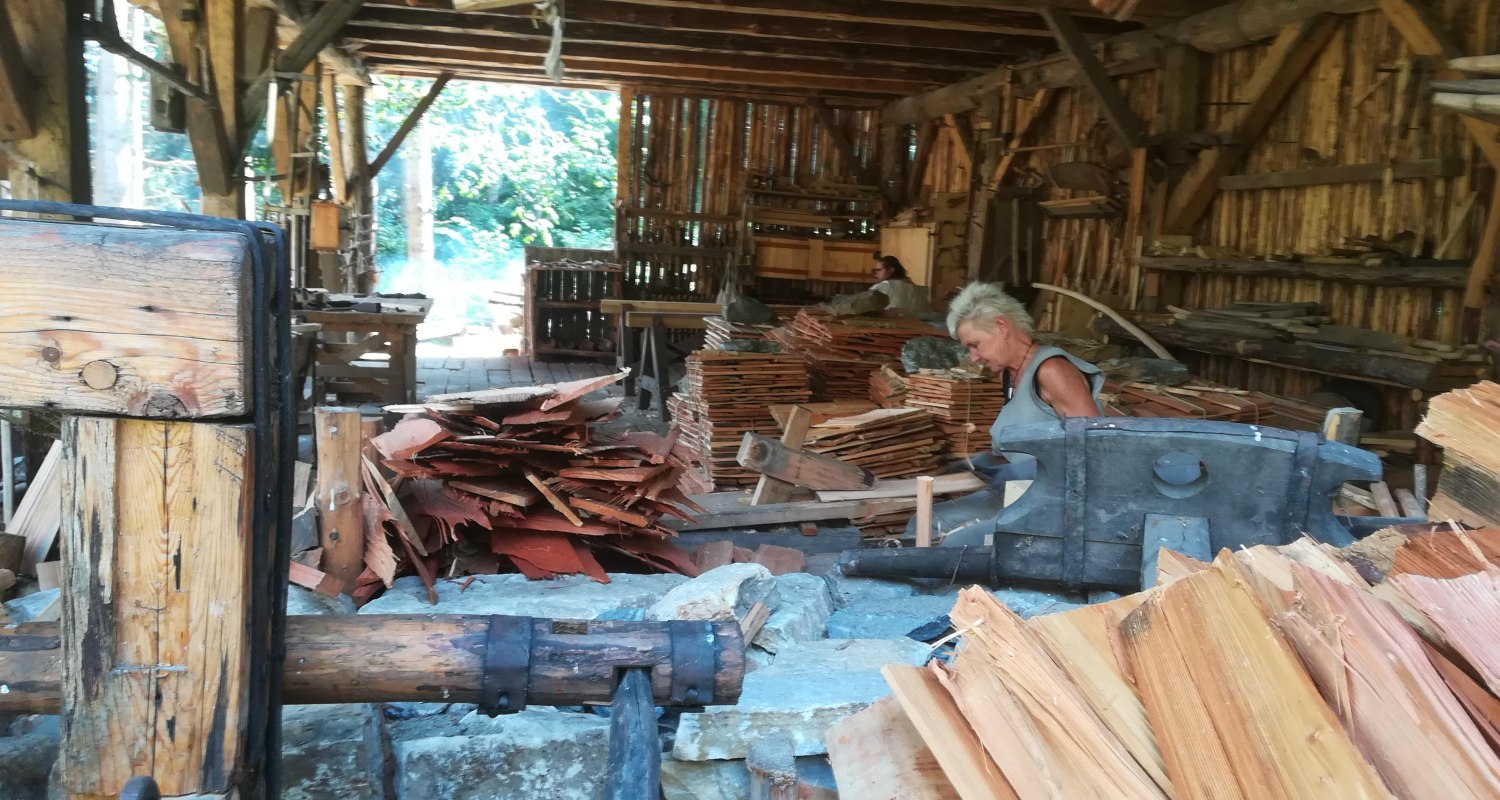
{"type": "Point", "coordinates": [728, 394]}
{"type": "Point", "coordinates": [519, 478]}
{"type": "Point", "coordinates": [964, 405]}
{"type": "Point", "coordinates": [1271, 672]}
{"type": "Point", "coordinates": [1196, 400]}
{"type": "Point", "coordinates": [841, 352]}
{"type": "Point", "coordinates": [1466, 424]}
{"type": "Point", "coordinates": [887, 388]}
{"type": "Point", "coordinates": [891, 443]}
{"type": "Point", "coordinates": [718, 331]}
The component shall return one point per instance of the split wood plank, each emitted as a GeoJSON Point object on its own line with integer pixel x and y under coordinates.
{"type": "Point", "coordinates": [755, 619]}
{"type": "Point", "coordinates": [157, 553]}
{"type": "Point", "coordinates": [1463, 612]}
{"type": "Point", "coordinates": [38, 517]}
{"type": "Point", "coordinates": [1035, 723]}
{"type": "Point", "coordinates": [817, 472]}
{"type": "Point", "coordinates": [769, 490]}
{"type": "Point", "coordinates": [877, 753]}
{"type": "Point", "coordinates": [340, 485]}
{"type": "Point", "coordinates": [1362, 655]}
{"type": "Point", "coordinates": [155, 324]}
{"type": "Point", "coordinates": [1111, 101]}
{"type": "Point", "coordinates": [1293, 51]}
{"type": "Point", "coordinates": [1385, 503]}
{"type": "Point", "coordinates": [1085, 643]}
{"type": "Point", "coordinates": [936, 718]}
{"type": "Point", "coordinates": [1234, 712]}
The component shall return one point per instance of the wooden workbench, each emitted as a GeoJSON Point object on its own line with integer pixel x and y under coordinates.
{"type": "Point", "coordinates": [367, 356]}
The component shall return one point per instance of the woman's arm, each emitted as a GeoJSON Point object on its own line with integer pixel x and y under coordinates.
{"type": "Point", "coordinates": [1062, 386]}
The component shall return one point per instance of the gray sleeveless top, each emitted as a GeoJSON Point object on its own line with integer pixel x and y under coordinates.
{"type": "Point", "coordinates": [1025, 405]}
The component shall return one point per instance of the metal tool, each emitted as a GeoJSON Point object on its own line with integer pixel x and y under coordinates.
{"type": "Point", "coordinates": [1110, 492]}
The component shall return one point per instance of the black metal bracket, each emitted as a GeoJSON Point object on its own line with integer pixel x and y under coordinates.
{"type": "Point", "coordinates": [695, 662]}
{"type": "Point", "coordinates": [507, 665]}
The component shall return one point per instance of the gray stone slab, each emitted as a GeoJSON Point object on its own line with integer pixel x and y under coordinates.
{"type": "Point", "coordinates": [704, 780]}
{"type": "Point", "coordinates": [25, 609]}
{"type": "Point", "coordinates": [800, 615]}
{"type": "Point", "coordinates": [848, 590]}
{"type": "Point", "coordinates": [306, 602]}
{"type": "Point", "coordinates": [535, 755]}
{"type": "Point", "coordinates": [887, 619]}
{"type": "Point", "coordinates": [809, 687]}
{"type": "Point", "coordinates": [573, 597]}
{"type": "Point", "coordinates": [26, 765]}
{"type": "Point", "coordinates": [722, 593]}
{"type": "Point", "coordinates": [331, 752]}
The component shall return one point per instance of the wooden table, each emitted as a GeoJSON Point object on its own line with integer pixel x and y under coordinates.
{"type": "Point", "coordinates": [376, 361]}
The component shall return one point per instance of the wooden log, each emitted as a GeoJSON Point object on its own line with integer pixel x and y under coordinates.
{"type": "Point", "coordinates": [634, 745]}
{"type": "Point", "coordinates": [1348, 173]}
{"type": "Point", "coordinates": [155, 325]}
{"type": "Point", "coordinates": [769, 457]}
{"type": "Point", "coordinates": [418, 658]}
{"type": "Point", "coordinates": [1425, 274]}
{"type": "Point", "coordinates": [165, 664]}
{"type": "Point", "coordinates": [1483, 65]}
{"type": "Point", "coordinates": [1485, 106]}
{"type": "Point", "coordinates": [340, 484]}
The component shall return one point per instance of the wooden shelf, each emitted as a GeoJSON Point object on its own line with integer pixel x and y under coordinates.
{"type": "Point", "coordinates": [583, 304]}
{"type": "Point", "coordinates": [1425, 273]}
{"type": "Point", "coordinates": [1390, 369]}
{"type": "Point", "coordinates": [1094, 207]}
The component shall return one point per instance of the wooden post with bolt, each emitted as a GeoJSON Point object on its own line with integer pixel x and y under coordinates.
{"type": "Point", "coordinates": [339, 439]}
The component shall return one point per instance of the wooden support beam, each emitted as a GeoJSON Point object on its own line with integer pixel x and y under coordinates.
{"type": "Point", "coordinates": [1483, 269]}
{"type": "Point", "coordinates": [1274, 78]}
{"type": "Point", "coordinates": [892, 161]}
{"type": "Point", "coordinates": [841, 144]}
{"type": "Point", "coordinates": [1348, 173]}
{"type": "Point", "coordinates": [41, 166]}
{"type": "Point", "coordinates": [769, 457]}
{"type": "Point", "coordinates": [1112, 103]}
{"type": "Point", "coordinates": [335, 128]}
{"type": "Point", "coordinates": [157, 552]}
{"type": "Point", "coordinates": [317, 33]}
{"type": "Point", "coordinates": [16, 100]}
{"type": "Point", "coordinates": [296, 128]}
{"type": "Point", "coordinates": [1424, 33]}
{"type": "Point", "coordinates": [927, 136]}
{"type": "Point", "coordinates": [207, 129]}
{"type": "Point", "coordinates": [153, 323]}
{"type": "Point", "coordinates": [340, 482]}
{"type": "Point", "coordinates": [1426, 274]}
{"type": "Point", "coordinates": [411, 121]}
{"type": "Point", "coordinates": [634, 744]}
{"type": "Point", "coordinates": [770, 490]}
{"type": "Point", "coordinates": [1040, 104]}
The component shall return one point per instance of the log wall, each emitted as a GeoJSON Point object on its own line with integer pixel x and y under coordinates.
{"type": "Point", "coordinates": [684, 175]}
{"type": "Point", "coordinates": [1354, 106]}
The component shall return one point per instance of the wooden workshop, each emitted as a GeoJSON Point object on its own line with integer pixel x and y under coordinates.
{"type": "Point", "coordinates": [980, 399]}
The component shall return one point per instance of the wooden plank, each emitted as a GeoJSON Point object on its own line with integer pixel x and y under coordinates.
{"type": "Point", "coordinates": [1425, 274]}
{"type": "Point", "coordinates": [768, 489]}
{"type": "Point", "coordinates": [956, 483]}
{"type": "Point", "coordinates": [878, 753]}
{"type": "Point", "coordinates": [1290, 55]}
{"type": "Point", "coordinates": [1234, 712]}
{"type": "Point", "coordinates": [1111, 101]}
{"type": "Point", "coordinates": [1034, 722]}
{"type": "Point", "coordinates": [154, 324]}
{"type": "Point", "coordinates": [767, 456]}
{"type": "Point", "coordinates": [340, 484]}
{"type": "Point", "coordinates": [38, 517]}
{"type": "Point", "coordinates": [1347, 173]}
{"type": "Point", "coordinates": [157, 554]}
{"type": "Point", "coordinates": [945, 731]}
{"type": "Point", "coordinates": [924, 511]}
{"type": "Point", "coordinates": [726, 511]}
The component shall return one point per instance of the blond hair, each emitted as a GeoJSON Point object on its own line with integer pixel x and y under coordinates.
{"type": "Point", "coordinates": [981, 303]}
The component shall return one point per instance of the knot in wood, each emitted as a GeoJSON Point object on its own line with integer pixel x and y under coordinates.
{"type": "Point", "coordinates": [100, 374]}
{"type": "Point", "coordinates": [51, 355]}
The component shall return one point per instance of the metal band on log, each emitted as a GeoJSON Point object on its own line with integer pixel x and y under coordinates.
{"type": "Point", "coordinates": [428, 658]}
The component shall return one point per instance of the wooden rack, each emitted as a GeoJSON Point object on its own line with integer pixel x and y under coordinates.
{"type": "Point", "coordinates": [564, 288]}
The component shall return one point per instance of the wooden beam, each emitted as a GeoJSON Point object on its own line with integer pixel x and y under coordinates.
{"type": "Point", "coordinates": [207, 129]}
{"type": "Point", "coordinates": [1217, 30]}
{"type": "Point", "coordinates": [329, 93]}
{"type": "Point", "coordinates": [1040, 105]}
{"type": "Point", "coordinates": [457, 45]}
{"type": "Point", "coordinates": [317, 33]}
{"type": "Point", "coordinates": [1483, 269]}
{"type": "Point", "coordinates": [848, 161]}
{"type": "Point", "coordinates": [411, 121]}
{"type": "Point", "coordinates": [16, 101]}
{"type": "Point", "coordinates": [815, 471]}
{"type": "Point", "coordinates": [41, 166]}
{"type": "Point", "coordinates": [1112, 103]}
{"type": "Point", "coordinates": [165, 662]}
{"type": "Point", "coordinates": [768, 489]}
{"type": "Point", "coordinates": [927, 135]}
{"type": "Point", "coordinates": [1425, 275]}
{"type": "Point", "coordinates": [1274, 78]}
{"type": "Point", "coordinates": [340, 482]}
{"type": "Point", "coordinates": [290, 21]}
{"type": "Point", "coordinates": [153, 324]}
{"type": "Point", "coordinates": [397, 24]}
{"type": "Point", "coordinates": [1348, 173]}
{"type": "Point", "coordinates": [1425, 35]}
{"type": "Point", "coordinates": [626, 71]}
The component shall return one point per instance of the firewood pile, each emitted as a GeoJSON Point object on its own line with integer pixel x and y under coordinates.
{"type": "Point", "coordinates": [519, 479]}
{"type": "Point", "coordinates": [1301, 671]}
{"type": "Point", "coordinates": [1466, 424]}
{"type": "Point", "coordinates": [963, 403]}
{"type": "Point", "coordinates": [727, 394]}
{"type": "Point", "coordinates": [841, 352]}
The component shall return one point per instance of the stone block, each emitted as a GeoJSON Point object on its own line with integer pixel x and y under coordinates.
{"type": "Point", "coordinates": [723, 593]}
{"type": "Point", "coordinates": [809, 687]}
{"type": "Point", "coordinates": [26, 764]}
{"type": "Point", "coordinates": [704, 780]}
{"type": "Point", "coordinates": [331, 752]}
{"type": "Point", "coordinates": [536, 755]}
{"type": "Point", "coordinates": [800, 614]}
{"type": "Point", "coordinates": [887, 619]}
{"type": "Point", "coordinates": [306, 602]}
{"type": "Point", "coordinates": [847, 591]}
{"type": "Point", "coordinates": [572, 597]}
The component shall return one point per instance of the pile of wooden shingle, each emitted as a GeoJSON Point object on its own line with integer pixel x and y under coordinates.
{"type": "Point", "coordinates": [718, 331]}
{"type": "Point", "coordinates": [518, 478]}
{"type": "Point", "coordinates": [963, 403]}
{"type": "Point", "coordinates": [841, 352]}
{"type": "Point", "coordinates": [1301, 671]}
{"type": "Point", "coordinates": [888, 387]}
{"type": "Point", "coordinates": [1196, 400]}
{"type": "Point", "coordinates": [1466, 424]}
{"type": "Point", "coordinates": [727, 394]}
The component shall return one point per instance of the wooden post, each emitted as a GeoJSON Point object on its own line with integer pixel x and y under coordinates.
{"type": "Point", "coordinates": [41, 165]}
{"type": "Point", "coordinates": [634, 745]}
{"type": "Point", "coordinates": [924, 510]}
{"type": "Point", "coordinates": [339, 484]}
{"type": "Point", "coordinates": [1483, 269]}
{"type": "Point", "coordinates": [769, 490]}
